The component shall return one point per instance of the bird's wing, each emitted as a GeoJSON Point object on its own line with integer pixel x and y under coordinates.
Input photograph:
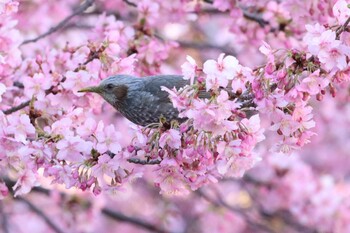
{"type": "Point", "coordinates": [153, 85]}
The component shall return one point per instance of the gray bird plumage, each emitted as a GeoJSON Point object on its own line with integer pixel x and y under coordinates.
{"type": "Point", "coordinates": [141, 100]}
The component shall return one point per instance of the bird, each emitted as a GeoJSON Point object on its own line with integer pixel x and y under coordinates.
{"type": "Point", "coordinates": [141, 100]}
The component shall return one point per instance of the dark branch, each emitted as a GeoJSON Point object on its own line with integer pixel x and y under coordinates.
{"type": "Point", "coordinates": [41, 214]}
{"type": "Point", "coordinates": [61, 24]}
{"type": "Point", "coordinates": [137, 222]}
{"type": "Point", "coordinates": [255, 17]}
{"type": "Point", "coordinates": [16, 108]}
{"type": "Point", "coordinates": [190, 44]}
{"type": "Point", "coordinates": [105, 211]}
{"type": "Point", "coordinates": [4, 219]}
{"type": "Point", "coordinates": [248, 15]}
{"type": "Point", "coordinates": [342, 28]}
{"type": "Point", "coordinates": [144, 162]}
{"type": "Point", "coordinates": [221, 203]}
{"type": "Point", "coordinates": [130, 3]}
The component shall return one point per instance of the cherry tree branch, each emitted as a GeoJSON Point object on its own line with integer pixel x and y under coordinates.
{"type": "Point", "coordinates": [61, 24]}
{"type": "Point", "coordinates": [4, 219]}
{"type": "Point", "coordinates": [41, 214]}
{"type": "Point", "coordinates": [342, 28]}
{"type": "Point", "coordinates": [144, 162]}
{"type": "Point", "coordinates": [130, 3]}
{"type": "Point", "coordinates": [221, 203]}
{"type": "Point", "coordinates": [248, 15]}
{"type": "Point", "coordinates": [285, 216]}
{"type": "Point", "coordinates": [17, 108]}
{"type": "Point", "coordinates": [121, 217]}
{"type": "Point", "coordinates": [115, 215]}
{"type": "Point", "coordinates": [93, 55]}
{"type": "Point", "coordinates": [200, 46]}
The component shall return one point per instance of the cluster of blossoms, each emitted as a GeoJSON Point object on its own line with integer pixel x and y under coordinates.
{"type": "Point", "coordinates": [60, 135]}
{"type": "Point", "coordinates": [319, 202]}
{"type": "Point", "coordinates": [236, 115]}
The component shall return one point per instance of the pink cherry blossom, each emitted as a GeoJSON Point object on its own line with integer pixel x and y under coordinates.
{"type": "Point", "coordinates": [20, 127]}
{"type": "Point", "coordinates": [335, 57]}
{"type": "Point", "coordinates": [37, 85]}
{"type": "Point", "coordinates": [314, 83]}
{"type": "Point", "coordinates": [73, 148]}
{"type": "Point", "coordinates": [189, 69]}
{"type": "Point", "coordinates": [219, 72]}
{"type": "Point", "coordinates": [25, 183]}
{"type": "Point", "coordinates": [77, 81]}
{"type": "Point", "coordinates": [107, 138]}
{"type": "Point", "coordinates": [171, 138]}
{"type": "Point", "coordinates": [341, 11]}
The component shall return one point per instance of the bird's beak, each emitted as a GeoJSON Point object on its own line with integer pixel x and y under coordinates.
{"type": "Point", "coordinates": [95, 89]}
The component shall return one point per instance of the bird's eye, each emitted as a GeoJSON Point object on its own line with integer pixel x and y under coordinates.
{"type": "Point", "coordinates": [110, 86]}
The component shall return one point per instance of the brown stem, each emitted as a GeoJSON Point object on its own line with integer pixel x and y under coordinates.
{"type": "Point", "coordinates": [144, 162]}
{"type": "Point", "coordinates": [130, 3]}
{"type": "Point", "coordinates": [115, 215]}
{"type": "Point", "coordinates": [41, 214]}
{"type": "Point", "coordinates": [16, 108]}
{"type": "Point", "coordinates": [342, 28]}
{"type": "Point", "coordinates": [221, 203]}
{"type": "Point", "coordinates": [4, 218]}
{"type": "Point", "coordinates": [61, 24]}
{"type": "Point", "coordinates": [137, 222]}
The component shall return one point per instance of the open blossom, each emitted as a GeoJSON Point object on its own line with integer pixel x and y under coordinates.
{"type": "Point", "coordinates": [105, 166]}
{"type": "Point", "coordinates": [171, 138]}
{"type": "Point", "coordinates": [77, 80]}
{"type": "Point", "coordinates": [169, 179]}
{"type": "Point", "coordinates": [107, 138]}
{"type": "Point", "coordinates": [20, 127]}
{"type": "Point", "coordinates": [303, 115]}
{"type": "Point", "coordinates": [221, 71]}
{"type": "Point", "coordinates": [73, 148]}
{"type": "Point", "coordinates": [189, 69]}
{"type": "Point", "coordinates": [313, 31]}
{"type": "Point", "coordinates": [8, 7]}
{"type": "Point", "coordinates": [341, 11]}
{"type": "Point", "coordinates": [37, 85]}
{"type": "Point", "coordinates": [27, 180]}
{"type": "Point", "coordinates": [149, 11]}
{"type": "Point", "coordinates": [253, 127]}
{"type": "Point", "coordinates": [313, 84]}
{"type": "Point", "coordinates": [326, 40]}
{"type": "Point", "coordinates": [210, 117]}
{"type": "Point", "coordinates": [335, 57]}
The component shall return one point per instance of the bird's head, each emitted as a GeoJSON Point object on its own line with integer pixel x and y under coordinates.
{"type": "Point", "coordinates": [115, 88]}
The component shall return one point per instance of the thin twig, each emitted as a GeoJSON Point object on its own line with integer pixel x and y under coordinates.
{"type": "Point", "coordinates": [190, 44]}
{"type": "Point", "coordinates": [61, 24]}
{"type": "Point", "coordinates": [115, 215]}
{"type": "Point", "coordinates": [130, 3]}
{"type": "Point", "coordinates": [16, 108]}
{"type": "Point", "coordinates": [41, 214]}
{"type": "Point", "coordinates": [284, 215]}
{"type": "Point", "coordinates": [254, 17]}
{"type": "Point", "coordinates": [342, 28]}
{"type": "Point", "coordinates": [134, 221]}
{"type": "Point", "coordinates": [4, 219]}
{"type": "Point", "coordinates": [48, 91]}
{"type": "Point", "coordinates": [144, 162]}
{"type": "Point", "coordinates": [221, 203]}
{"type": "Point", "coordinates": [248, 15]}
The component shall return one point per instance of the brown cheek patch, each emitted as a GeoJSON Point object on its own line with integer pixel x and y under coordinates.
{"type": "Point", "coordinates": [120, 91]}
